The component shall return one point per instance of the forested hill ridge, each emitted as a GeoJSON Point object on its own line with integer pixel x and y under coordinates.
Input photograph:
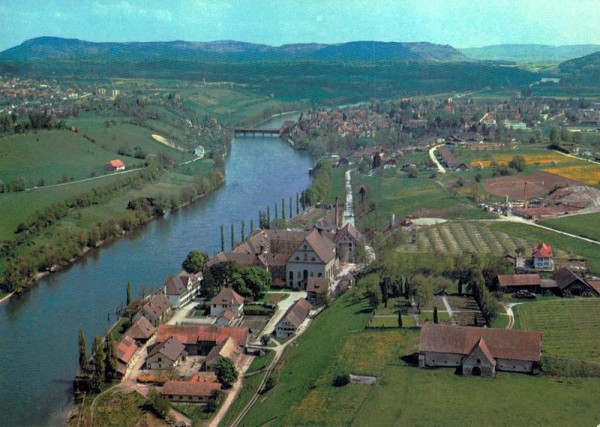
{"type": "Point", "coordinates": [524, 53]}
{"type": "Point", "coordinates": [44, 48]}
{"type": "Point", "coordinates": [584, 71]}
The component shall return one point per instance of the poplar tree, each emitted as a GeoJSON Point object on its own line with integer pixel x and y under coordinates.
{"type": "Point", "coordinates": [399, 319]}
{"type": "Point", "coordinates": [99, 359]}
{"type": "Point", "coordinates": [243, 230]}
{"type": "Point", "coordinates": [222, 238]}
{"type": "Point", "coordinates": [435, 315]}
{"type": "Point", "coordinates": [111, 364]}
{"type": "Point", "coordinates": [128, 293]}
{"type": "Point", "coordinates": [232, 236]}
{"type": "Point", "coordinates": [83, 353]}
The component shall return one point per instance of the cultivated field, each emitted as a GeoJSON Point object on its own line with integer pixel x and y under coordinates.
{"type": "Point", "coordinates": [543, 157]}
{"type": "Point", "coordinates": [588, 173]}
{"type": "Point", "coordinates": [570, 327]}
{"type": "Point", "coordinates": [538, 184]}
{"type": "Point", "coordinates": [460, 237]}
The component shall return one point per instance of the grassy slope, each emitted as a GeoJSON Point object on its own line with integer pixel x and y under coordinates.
{"type": "Point", "coordinates": [404, 394]}
{"type": "Point", "coordinates": [570, 245]}
{"type": "Point", "coordinates": [582, 225]}
{"type": "Point", "coordinates": [49, 155]}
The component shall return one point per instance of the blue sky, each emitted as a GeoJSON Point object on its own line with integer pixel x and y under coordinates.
{"type": "Point", "coordinates": [460, 23]}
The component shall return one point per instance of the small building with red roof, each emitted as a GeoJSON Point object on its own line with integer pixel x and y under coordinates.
{"type": "Point", "coordinates": [126, 349]}
{"type": "Point", "coordinates": [292, 319]}
{"type": "Point", "coordinates": [515, 282]}
{"type": "Point", "coordinates": [114, 166]}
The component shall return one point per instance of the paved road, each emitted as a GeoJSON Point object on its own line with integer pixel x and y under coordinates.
{"type": "Point", "coordinates": [348, 216]}
{"type": "Point", "coordinates": [434, 159]}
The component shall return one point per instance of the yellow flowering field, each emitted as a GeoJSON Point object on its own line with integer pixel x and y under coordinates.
{"type": "Point", "coordinates": [589, 174]}
{"type": "Point", "coordinates": [531, 159]}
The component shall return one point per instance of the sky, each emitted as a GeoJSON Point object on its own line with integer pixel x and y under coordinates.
{"type": "Point", "coordinates": [460, 23]}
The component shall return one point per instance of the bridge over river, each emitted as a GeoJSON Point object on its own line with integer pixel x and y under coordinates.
{"type": "Point", "coordinates": [257, 132]}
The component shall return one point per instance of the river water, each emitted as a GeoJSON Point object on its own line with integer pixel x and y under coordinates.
{"type": "Point", "coordinates": [38, 330]}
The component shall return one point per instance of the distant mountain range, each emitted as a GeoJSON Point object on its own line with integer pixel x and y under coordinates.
{"type": "Point", "coordinates": [529, 52]}
{"type": "Point", "coordinates": [45, 48]}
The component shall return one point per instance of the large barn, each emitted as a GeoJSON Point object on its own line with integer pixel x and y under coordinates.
{"type": "Point", "coordinates": [480, 351]}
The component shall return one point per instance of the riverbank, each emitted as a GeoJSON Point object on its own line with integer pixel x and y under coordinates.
{"type": "Point", "coordinates": [53, 247]}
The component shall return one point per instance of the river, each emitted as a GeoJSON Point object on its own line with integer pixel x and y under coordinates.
{"type": "Point", "coordinates": [38, 330]}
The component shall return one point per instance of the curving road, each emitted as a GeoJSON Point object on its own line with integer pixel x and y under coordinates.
{"type": "Point", "coordinates": [434, 159]}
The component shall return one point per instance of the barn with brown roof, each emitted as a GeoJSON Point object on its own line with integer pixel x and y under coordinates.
{"type": "Point", "coordinates": [141, 330]}
{"type": "Point", "coordinates": [480, 351]}
{"type": "Point", "coordinates": [515, 282]}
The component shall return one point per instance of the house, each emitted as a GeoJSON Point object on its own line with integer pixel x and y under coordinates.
{"type": "Point", "coordinates": [156, 309]}
{"type": "Point", "coordinates": [182, 288]}
{"type": "Point", "coordinates": [114, 166]}
{"type": "Point", "coordinates": [346, 240]}
{"type": "Point", "coordinates": [141, 330]}
{"type": "Point", "coordinates": [314, 257]}
{"type": "Point", "coordinates": [568, 283]}
{"type": "Point", "coordinates": [292, 319]}
{"type": "Point", "coordinates": [199, 151]}
{"type": "Point", "coordinates": [190, 391]}
{"type": "Point", "coordinates": [510, 283]}
{"type": "Point", "coordinates": [166, 354]}
{"type": "Point", "coordinates": [227, 299]}
{"type": "Point", "coordinates": [543, 259]}
{"type": "Point", "coordinates": [480, 351]}
{"type": "Point", "coordinates": [126, 349]}
{"type": "Point", "coordinates": [317, 290]}
{"type": "Point", "coordinates": [199, 340]}
{"type": "Point", "coordinates": [225, 349]}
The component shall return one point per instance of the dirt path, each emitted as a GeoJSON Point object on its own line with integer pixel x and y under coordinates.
{"type": "Point", "coordinates": [448, 308]}
{"type": "Point", "coordinates": [435, 160]}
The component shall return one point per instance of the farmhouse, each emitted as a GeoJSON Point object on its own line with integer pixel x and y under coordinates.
{"type": "Point", "coordinates": [166, 354]}
{"type": "Point", "coordinates": [449, 160]}
{"type": "Point", "coordinates": [182, 288]}
{"type": "Point", "coordinates": [227, 300]}
{"type": "Point", "coordinates": [480, 351]}
{"type": "Point", "coordinates": [114, 166]}
{"type": "Point", "coordinates": [292, 319]}
{"type": "Point", "coordinates": [199, 151]}
{"type": "Point", "coordinates": [190, 391]}
{"type": "Point", "coordinates": [543, 259]}
{"type": "Point", "coordinates": [225, 349]}
{"type": "Point", "coordinates": [156, 309]}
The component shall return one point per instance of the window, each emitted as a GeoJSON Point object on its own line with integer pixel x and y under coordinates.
{"type": "Point", "coordinates": [479, 361]}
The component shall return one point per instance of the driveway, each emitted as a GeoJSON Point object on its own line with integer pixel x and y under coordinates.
{"type": "Point", "coordinates": [282, 307]}
{"type": "Point", "coordinates": [435, 160]}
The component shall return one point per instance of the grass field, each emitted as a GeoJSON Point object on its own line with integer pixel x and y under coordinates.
{"type": "Point", "coordinates": [405, 394]}
{"type": "Point", "coordinates": [569, 245]}
{"type": "Point", "coordinates": [460, 237]}
{"type": "Point", "coordinates": [338, 186]}
{"type": "Point", "coordinates": [120, 409]}
{"type": "Point", "coordinates": [406, 196]}
{"type": "Point", "coordinates": [582, 225]}
{"type": "Point", "coordinates": [570, 327]}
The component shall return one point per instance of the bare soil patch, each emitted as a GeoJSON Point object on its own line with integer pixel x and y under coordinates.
{"type": "Point", "coordinates": [538, 184]}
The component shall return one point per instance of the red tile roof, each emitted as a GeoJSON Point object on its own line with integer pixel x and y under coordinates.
{"type": "Point", "coordinates": [190, 388]}
{"type": "Point", "coordinates": [126, 348]}
{"type": "Point", "coordinates": [519, 280]}
{"type": "Point", "coordinates": [502, 343]}
{"type": "Point", "coordinates": [480, 344]}
{"type": "Point", "coordinates": [171, 348]}
{"type": "Point", "coordinates": [542, 251]}
{"type": "Point", "coordinates": [323, 247]}
{"type": "Point", "coordinates": [116, 163]}
{"type": "Point", "coordinates": [193, 334]}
